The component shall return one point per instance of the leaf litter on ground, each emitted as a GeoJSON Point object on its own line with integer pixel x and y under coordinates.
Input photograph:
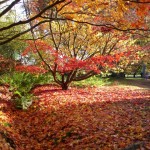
{"type": "Point", "coordinates": [105, 118]}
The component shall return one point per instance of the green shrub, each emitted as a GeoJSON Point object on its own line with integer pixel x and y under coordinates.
{"type": "Point", "coordinates": [23, 101]}
{"type": "Point", "coordinates": [20, 84]}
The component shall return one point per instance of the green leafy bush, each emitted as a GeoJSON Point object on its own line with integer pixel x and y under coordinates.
{"type": "Point", "coordinates": [23, 101]}
{"type": "Point", "coordinates": [20, 84]}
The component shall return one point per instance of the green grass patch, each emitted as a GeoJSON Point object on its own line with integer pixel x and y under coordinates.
{"type": "Point", "coordinates": [93, 81]}
{"type": "Point", "coordinates": [99, 81]}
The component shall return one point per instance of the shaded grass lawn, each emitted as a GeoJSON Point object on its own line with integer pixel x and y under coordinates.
{"type": "Point", "coordinates": [97, 81]}
{"type": "Point", "coordinates": [101, 118]}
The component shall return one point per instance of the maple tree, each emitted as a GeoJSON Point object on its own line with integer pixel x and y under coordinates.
{"type": "Point", "coordinates": [131, 61]}
{"type": "Point", "coordinates": [118, 14]}
{"type": "Point", "coordinates": [68, 57]}
{"type": "Point", "coordinates": [73, 40]}
{"type": "Point", "coordinates": [6, 8]}
{"type": "Point", "coordinates": [70, 54]}
{"type": "Point", "coordinates": [144, 42]}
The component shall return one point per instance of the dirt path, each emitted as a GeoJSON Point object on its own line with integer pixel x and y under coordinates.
{"type": "Point", "coordinates": [141, 83]}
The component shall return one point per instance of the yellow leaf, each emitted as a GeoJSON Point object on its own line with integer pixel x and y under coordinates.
{"type": "Point", "coordinates": [121, 4]}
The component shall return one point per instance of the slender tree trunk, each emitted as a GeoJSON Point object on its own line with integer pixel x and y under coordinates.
{"type": "Point", "coordinates": [143, 71]}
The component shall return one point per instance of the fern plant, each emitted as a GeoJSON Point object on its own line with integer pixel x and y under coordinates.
{"type": "Point", "coordinates": [20, 85]}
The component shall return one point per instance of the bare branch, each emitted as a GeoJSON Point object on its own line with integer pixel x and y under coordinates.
{"type": "Point", "coordinates": [137, 1]}
{"type": "Point", "coordinates": [33, 18]}
{"type": "Point", "coordinates": [64, 5]}
{"type": "Point", "coordinates": [4, 1]}
{"type": "Point", "coordinates": [108, 25]}
{"type": "Point", "coordinates": [9, 7]}
{"type": "Point", "coordinates": [21, 33]}
{"type": "Point", "coordinates": [84, 76]}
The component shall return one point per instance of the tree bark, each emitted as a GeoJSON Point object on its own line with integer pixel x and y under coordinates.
{"type": "Point", "coordinates": [64, 86]}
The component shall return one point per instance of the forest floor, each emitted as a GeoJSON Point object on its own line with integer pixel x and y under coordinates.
{"type": "Point", "coordinates": [115, 117]}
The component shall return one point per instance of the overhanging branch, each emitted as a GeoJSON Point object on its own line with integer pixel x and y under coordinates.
{"type": "Point", "coordinates": [9, 7]}
{"type": "Point", "coordinates": [137, 1]}
{"type": "Point", "coordinates": [21, 33]}
{"type": "Point", "coordinates": [33, 18]}
{"type": "Point", "coordinates": [108, 25]}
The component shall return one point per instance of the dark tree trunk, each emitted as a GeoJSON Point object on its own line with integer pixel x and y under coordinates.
{"type": "Point", "coordinates": [64, 87]}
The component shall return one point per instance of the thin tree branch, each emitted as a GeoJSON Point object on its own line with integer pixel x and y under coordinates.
{"type": "Point", "coordinates": [4, 1]}
{"type": "Point", "coordinates": [84, 76]}
{"type": "Point", "coordinates": [137, 1]}
{"type": "Point", "coordinates": [9, 7]}
{"type": "Point", "coordinates": [33, 18]}
{"type": "Point", "coordinates": [21, 33]}
{"type": "Point", "coordinates": [108, 25]}
{"type": "Point", "coordinates": [64, 6]}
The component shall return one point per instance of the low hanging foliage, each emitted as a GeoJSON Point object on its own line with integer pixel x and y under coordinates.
{"type": "Point", "coordinates": [66, 68]}
{"type": "Point", "coordinates": [31, 69]}
{"type": "Point", "coordinates": [64, 63]}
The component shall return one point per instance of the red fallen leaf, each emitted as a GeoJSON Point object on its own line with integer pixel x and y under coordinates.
{"type": "Point", "coordinates": [109, 117]}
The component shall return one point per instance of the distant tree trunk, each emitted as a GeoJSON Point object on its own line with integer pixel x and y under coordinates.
{"type": "Point", "coordinates": [121, 75]}
{"type": "Point", "coordinates": [143, 70]}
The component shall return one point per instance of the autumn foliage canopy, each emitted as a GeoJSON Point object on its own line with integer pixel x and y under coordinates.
{"type": "Point", "coordinates": [75, 39]}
